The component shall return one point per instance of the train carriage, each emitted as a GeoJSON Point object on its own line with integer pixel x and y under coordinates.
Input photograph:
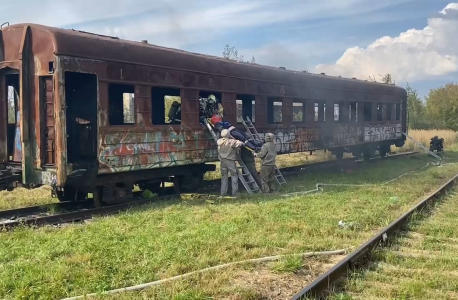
{"type": "Point", "coordinates": [86, 113]}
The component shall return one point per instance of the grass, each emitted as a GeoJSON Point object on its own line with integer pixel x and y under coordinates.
{"type": "Point", "coordinates": [171, 238]}
{"type": "Point", "coordinates": [421, 265]}
{"type": "Point", "coordinates": [424, 136]}
{"type": "Point", "coordinates": [22, 197]}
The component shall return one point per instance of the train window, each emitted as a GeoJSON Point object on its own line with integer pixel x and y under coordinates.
{"type": "Point", "coordinates": [316, 112]}
{"type": "Point", "coordinates": [379, 112]}
{"type": "Point", "coordinates": [274, 110]}
{"type": "Point", "coordinates": [389, 111]}
{"type": "Point", "coordinates": [367, 111]}
{"type": "Point", "coordinates": [398, 112]}
{"type": "Point", "coordinates": [166, 106]}
{"type": "Point", "coordinates": [298, 111]}
{"type": "Point", "coordinates": [350, 112]}
{"type": "Point", "coordinates": [12, 97]}
{"type": "Point", "coordinates": [356, 112]}
{"type": "Point", "coordinates": [121, 101]}
{"type": "Point", "coordinates": [324, 112]}
{"type": "Point", "coordinates": [245, 108]}
{"type": "Point", "coordinates": [336, 112]}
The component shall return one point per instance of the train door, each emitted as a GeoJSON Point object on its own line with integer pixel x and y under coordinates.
{"type": "Point", "coordinates": [81, 114]}
{"type": "Point", "coordinates": [13, 115]}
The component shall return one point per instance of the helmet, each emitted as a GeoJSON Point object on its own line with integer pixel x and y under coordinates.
{"type": "Point", "coordinates": [212, 97]}
{"type": "Point", "coordinates": [216, 119]}
{"type": "Point", "coordinates": [225, 133]}
{"type": "Point", "coordinates": [269, 137]}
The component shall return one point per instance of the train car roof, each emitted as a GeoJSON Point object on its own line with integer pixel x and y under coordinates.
{"type": "Point", "coordinates": [70, 42]}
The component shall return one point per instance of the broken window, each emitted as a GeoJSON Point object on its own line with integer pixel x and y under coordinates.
{"type": "Point", "coordinates": [166, 106]}
{"type": "Point", "coordinates": [245, 108]}
{"type": "Point", "coordinates": [205, 106]}
{"type": "Point", "coordinates": [274, 110]}
{"type": "Point", "coordinates": [298, 112]}
{"type": "Point", "coordinates": [336, 112]}
{"type": "Point", "coordinates": [389, 111]}
{"type": "Point", "coordinates": [398, 112]}
{"type": "Point", "coordinates": [121, 102]}
{"type": "Point", "coordinates": [353, 112]}
{"type": "Point", "coordinates": [379, 112]}
{"type": "Point", "coordinates": [12, 99]}
{"type": "Point", "coordinates": [367, 111]}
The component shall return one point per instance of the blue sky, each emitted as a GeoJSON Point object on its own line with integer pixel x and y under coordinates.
{"type": "Point", "coordinates": [338, 37]}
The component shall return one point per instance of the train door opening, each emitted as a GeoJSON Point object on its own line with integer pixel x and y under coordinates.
{"type": "Point", "coordinates": [81, 114]}
{"type": "Point", "coordinates": [13, 138]}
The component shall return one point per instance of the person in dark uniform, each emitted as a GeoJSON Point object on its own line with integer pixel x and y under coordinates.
{"type": "Point", "coordinates": [248, 158]}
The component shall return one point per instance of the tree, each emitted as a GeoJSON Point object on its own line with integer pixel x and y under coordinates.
{"type": "Point", "coordinates": [231, 54]}
{"type": "Point", "coordinates": [416, 112]}
{"type": "Point", "coordinates": [385, 79]}
{"type": "Point", "coordinates": [442, 106]}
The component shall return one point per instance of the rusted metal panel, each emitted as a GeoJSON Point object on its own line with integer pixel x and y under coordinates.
{"type": "Point", "coordinates": [103, 104]}
{"type": "Point", "coordinates": [261, 111]}
{"type": "Point", "coordinates": [143, 105]}
{"type": "Point", "coordinates": [3, 118]}
{"type": "Point", "coordinates": [25, 99]}
{"type": "Point", "coordinates": [61, 131]}
{"type": "Point", "coordinates": [165, 146]}
{"type": "Point", "coordinates": [287, 111]}
{"type": "Point", "coordinates": [190, 108]}
{"type": "Point", "coordinates": [230, 110]}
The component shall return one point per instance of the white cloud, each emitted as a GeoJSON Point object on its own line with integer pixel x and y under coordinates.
{"type": "Point", "coordinates": [413, 55]}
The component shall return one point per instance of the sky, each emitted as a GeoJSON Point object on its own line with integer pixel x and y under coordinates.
{"type": "Point", "coordinates": [414, 40]}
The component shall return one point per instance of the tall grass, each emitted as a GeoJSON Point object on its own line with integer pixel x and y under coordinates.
{"type": "Point", "coordinates": [424, 136]}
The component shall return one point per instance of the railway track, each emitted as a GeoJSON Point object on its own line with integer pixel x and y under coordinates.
{"type": "Point", "coordinates": [67, 212]}
{"type": "Point", "coordinates": [324, 284]}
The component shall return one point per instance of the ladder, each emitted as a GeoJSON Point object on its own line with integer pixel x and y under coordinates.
{"type": "Point", "coordinates": [255, 136]}
{"type": "Point", "coordinates": [422, 146]}
{"type": "Point", "coordinates": [243, 173]}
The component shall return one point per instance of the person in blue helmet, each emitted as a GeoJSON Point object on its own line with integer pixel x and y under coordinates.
{"type": "Point", "coordinates": [219, 124]}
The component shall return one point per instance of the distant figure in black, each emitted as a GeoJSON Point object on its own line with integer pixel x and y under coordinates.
{"type": "Point", "coordinates": [436, 144]}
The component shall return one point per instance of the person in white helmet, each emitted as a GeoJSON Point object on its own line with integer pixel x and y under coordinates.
{"type": "Point", "coordinates": [227, 153]}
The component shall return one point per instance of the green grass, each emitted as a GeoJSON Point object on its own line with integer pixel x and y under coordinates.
{"type": "Point", "coordinates": [175, 237]}
{"type": "Point", "coordinates": [422, 263]}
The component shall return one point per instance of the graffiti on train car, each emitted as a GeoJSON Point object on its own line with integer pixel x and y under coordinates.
{"type": "Point", "coordinates": [139, 150]}
{"type": "Point", "coordinates": [342, 135]}
{"type": "Point", "coordinates": [295, 139]}
{"type": "Point", "coordinates": [376, 133]}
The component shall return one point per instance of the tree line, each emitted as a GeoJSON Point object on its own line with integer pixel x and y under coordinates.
{"type": "Point", "coordinates": [438, 111]}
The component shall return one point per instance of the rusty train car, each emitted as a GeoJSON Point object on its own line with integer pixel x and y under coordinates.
{"type": "Point", "coordinates": [86, 113]}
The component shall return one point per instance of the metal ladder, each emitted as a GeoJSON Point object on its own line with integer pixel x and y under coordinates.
{"type": "Point", "coordinates": [242, 171]}
{"type": "Point", "coordinates": [255, 136]}
{"type": "Point", "coordinates": [422, 146]}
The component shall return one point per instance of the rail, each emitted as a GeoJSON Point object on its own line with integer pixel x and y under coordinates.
{"type": "Point", "coordinates": [325, 282]}
{"type": "Point", "coordinates": [43, 215]}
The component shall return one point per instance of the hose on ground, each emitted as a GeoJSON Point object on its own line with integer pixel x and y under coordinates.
{"type": "Point", "coordinates": [254, 260]}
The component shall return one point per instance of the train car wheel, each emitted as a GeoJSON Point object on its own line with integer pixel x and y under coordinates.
{"type": "Point", "coordinates": [154, 187]}
{"type": "Point", "coordinates": [338, 154]}
{"type": "Point", "coordinates": [383, 150]}
{"type": "Point", "coordinates": [190, 183]}
{"type": "Point", "coordinates": [68, 194]}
